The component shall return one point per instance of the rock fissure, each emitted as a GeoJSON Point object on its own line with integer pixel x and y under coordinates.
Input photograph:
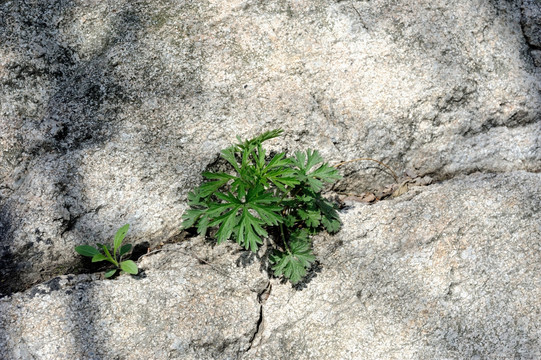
{"type": "Point", "coordinates": [257, 329]}
{"type": "Point", "coordinates": [261, 298]}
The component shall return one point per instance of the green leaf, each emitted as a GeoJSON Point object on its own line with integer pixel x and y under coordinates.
{"type": "Point", "coordinates": [282, 177]}
{"type": "Point", "coordinates": [233, 216]}
{"type": "Point", "coordinates": [293, 264]}
{"type": "Point", "coordinates": [99, 257]}
{"type": "Point", "coordinates": [208, 188]}
{"type": "Point", "coordinates": [124, 249]}
{"type": "Point", "coordinates": [313, 158]}
{"type": "Point", "coordinates": [249, 230]}
{"type": "Point", "coordinates": [290, 221]}
{"type": "Point", "coordinates": [331, 219]}
{"type": "Point", "coordinates": [267, 135]}
{"type": "Point", "coordinates": [331, 225]}
{"type": "Point", "coordinates": [194, 198]}
{"type": "Point", "coordinates": [326, 173]}
{"type": "Point", "coordinates": [110, 273]}
{"type": "Point", "coordinates": [191, 216]}
{"type": "Point", "coordinates": [119, 237]}
{"type": "Point", "coordinates": [315, 179]}
{"type": "Point", "coordinates": [218, 176]}
{"type": "Point", "coordinates": [109, 257]}
{"type": "Point", "coordinates": [226, 222]}
{"type": "Point", "coordinates": [265, 204]}
{"type": "Point", "coordinates": [229, 155]}
{"type": "Point", "coordinates": [129, 266]}
{"type": "Point", "coordinates": [260, 157]}
{"type": "Point", "coordinates": [305, 198]}
{"type": "Point", "coordinates": [203, 224]}
{"type": "Point", "coordinates": [310, 217]}
{"type": "Point", "coordinates": [87, 250]}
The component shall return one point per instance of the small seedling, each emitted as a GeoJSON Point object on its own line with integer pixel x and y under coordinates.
{"type": "Point", "coordinates": [103, 253]}
{"type": "Point", "coordinates": [267, 197]}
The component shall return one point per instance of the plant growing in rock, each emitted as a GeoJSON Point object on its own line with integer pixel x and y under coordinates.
{"type": "Point", "coordinates": [265, 194]}
{"type": "Point", "coordinates": [112, 254]}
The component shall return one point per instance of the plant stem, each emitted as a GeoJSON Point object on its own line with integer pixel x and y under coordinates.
{"type": "Point", "coordinates": [284, 238]}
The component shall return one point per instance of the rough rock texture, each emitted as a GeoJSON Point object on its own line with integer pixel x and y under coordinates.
{"type": "Point", "coordinates": [182, 308]}
{"type": "Point", "coordinates": [531, 26]}
{"type": "Point", "coordinates": [450, 271]}
{"type": "Point", "coordinates": [446, 271]}
{"type": "Point", "coordinates": [109, 110]}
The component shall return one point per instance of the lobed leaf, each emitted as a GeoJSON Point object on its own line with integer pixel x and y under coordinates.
{"type": "Point", "coordinates": [229, 155]}
{"type": "Point", "coordinates": [310, 217]}
{"type": "Point", "coordinates": [313, 158]}
{"type": "Point", "coordinates": [331, 219]}
{"type": "Point", "coordinates": [331, 225]}
{"type": "Point", "coordinates": [194, 198]}
{"type": "Point", "coordinates": [267, 135]}
{"type": "Point", "coordinates": [208, 188]}
{"type": "Point", "coordinates": [226, 223]}
{"type": "Point", "coordinates": [293, 264]}
{"type": "Point", "coordinates": [326, 173]}
{"type": "Point", "coordinates": [190, 217]}
{"type": "Point", "coordinates": [315, 179]}
{"type": "Point", "coordinates": [249, 231]}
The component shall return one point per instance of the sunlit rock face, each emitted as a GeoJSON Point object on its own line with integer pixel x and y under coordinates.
{"type": "Point", "coordinates": [109, 111]}
{"type": "Point", "coordinates": [445, 271]}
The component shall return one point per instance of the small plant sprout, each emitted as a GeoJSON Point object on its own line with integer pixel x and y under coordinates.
{"type": "Point", "coordinates": [114, 255]}
{"type": "Point", "coordinates": [267, 196]}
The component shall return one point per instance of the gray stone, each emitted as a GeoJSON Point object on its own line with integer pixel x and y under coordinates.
{"type": "Point", "coordinates": [531, 22]}
{"type": "Point", "coordinates": [109, 111]}
{"type": "Point", "coordinates": [188, 304]}
{"type": "Point", "coordinates": [444, 271]}
{"type": "Point", "coordinates": [536, 56]}
{"type": "Point", "coordinates": [448, 271]}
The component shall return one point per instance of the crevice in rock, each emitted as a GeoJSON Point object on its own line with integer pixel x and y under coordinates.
{"type": "Point", "coordinates": [518, 119]}
{"type": "Point", "coordinates": [530, 23]}
{"type": "Point", "coordinates": [346, 192]}
{"type": "Point", "coordinates": [262, 297]}
{"type": "Point", "coordinates": [257, 328]}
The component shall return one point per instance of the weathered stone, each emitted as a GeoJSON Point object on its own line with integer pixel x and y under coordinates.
{"type": "Point", "coordinates": [446, 271]}
{"type": "Point", "coordinates": [187, 305]}
{"type": "Point", "coordinates": [536, 56]}
{"type": "Point", "coordinates": [531, 22]}
{"type": "Point", "coordinates": [109, 111]}
{"type": "Point", "coordinates": [443, 271]}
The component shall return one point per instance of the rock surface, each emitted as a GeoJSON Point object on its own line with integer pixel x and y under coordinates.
{"type": "Point", "coordinates": [180, 308]}
{"type": "Point", "coordinates": [446, 271]}
{"type": "Point", "coordinates": [450, 271]}
{"type": "Point", "coordinates": [109, 111]}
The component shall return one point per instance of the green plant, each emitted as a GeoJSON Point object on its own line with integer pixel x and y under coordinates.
{"type": "Point", "coordinates": [114, 255]}
{"type": "Point", "coordinates": [262, 194]}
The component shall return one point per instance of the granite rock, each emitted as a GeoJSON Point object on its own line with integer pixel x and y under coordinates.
{"type": "Point", "coordinates": [444, 271]}
{"type": "Point", "coordinates": [188, 302]}
{"type": "Point", "coordinates": [448, 271]}
{"type": "Point", "coordinates": [109, 111]}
